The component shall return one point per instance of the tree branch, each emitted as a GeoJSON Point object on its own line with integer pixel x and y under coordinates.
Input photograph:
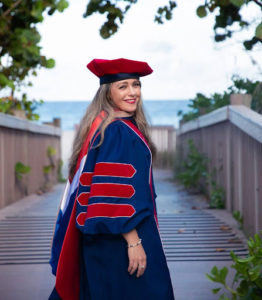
{"type": "Point", "coordinates": [258, 3]}
{"type": "Point", "coordinates": [11, 8]}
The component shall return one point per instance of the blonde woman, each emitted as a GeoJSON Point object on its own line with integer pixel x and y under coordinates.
{"type": "Point", "coordinates": [106, 244]}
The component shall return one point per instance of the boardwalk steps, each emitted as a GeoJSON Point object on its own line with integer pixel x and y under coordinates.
{"type": "Point", "coordinates": [188, 236]}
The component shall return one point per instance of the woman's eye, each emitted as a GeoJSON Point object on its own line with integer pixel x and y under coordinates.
{"type": "Point", "coordinates": [122, 87]}
{"type": "Point", "coordinates": [137, 84]}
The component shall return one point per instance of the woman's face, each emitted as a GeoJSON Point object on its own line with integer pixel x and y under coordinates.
{"type": "Point", "coordinates": [125, 94]}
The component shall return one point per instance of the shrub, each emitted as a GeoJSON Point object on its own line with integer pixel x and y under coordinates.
{"type": "Point", "coordinates": [195, 167]}
{"type": "Point", "coordinates": [239, 218]}
{"type": "Point", "coordinates": [247, 281]}
{"type": "Point", "coordinates": [21, 169]}
{"type": "Point", "coordinates": [9, 104]}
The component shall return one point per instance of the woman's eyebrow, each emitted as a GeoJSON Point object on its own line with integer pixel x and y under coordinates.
{"type": "Point", "coordinates": [126, 82]}
{"type": "Point", "coordinates": [122, 82]}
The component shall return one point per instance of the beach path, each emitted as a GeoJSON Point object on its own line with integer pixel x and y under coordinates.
{"type": "Point", "coordinates": [194, 238]}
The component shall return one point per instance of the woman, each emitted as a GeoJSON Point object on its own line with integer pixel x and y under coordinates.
{"type": "Point", "coordinates": [107, 245]}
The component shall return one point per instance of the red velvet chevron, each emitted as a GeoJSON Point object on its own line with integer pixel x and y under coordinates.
{"type": "Point", "coordinates": [86, 178]}
{"type": "Point", "coordinates": [112, 190]}
{"type": "Point", "coordinates": [114, 169]}
{"type": "Point", "coordinates": [107, 210]}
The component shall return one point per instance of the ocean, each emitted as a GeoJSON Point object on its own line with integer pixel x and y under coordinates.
{"type": "Point", "coordinates": [159, 112]}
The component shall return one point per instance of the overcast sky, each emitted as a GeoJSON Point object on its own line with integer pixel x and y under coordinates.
{"type": "Point", "coordinates": [182, 52]}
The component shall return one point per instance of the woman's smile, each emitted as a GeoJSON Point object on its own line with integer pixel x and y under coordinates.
{"type": "Point", "coordinates": [131, 101]}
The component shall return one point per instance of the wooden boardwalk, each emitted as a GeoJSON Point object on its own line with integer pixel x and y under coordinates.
{"type": "Point", "coordinates": [191, 236]}
{"type": "Point", "coordinates": [194, 240]}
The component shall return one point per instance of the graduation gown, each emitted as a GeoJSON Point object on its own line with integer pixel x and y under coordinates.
{"type": "Point", "coordinates": [116, 194]}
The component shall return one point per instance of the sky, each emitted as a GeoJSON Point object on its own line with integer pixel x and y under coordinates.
{"type": "Point", "coordinates": [182, 52]}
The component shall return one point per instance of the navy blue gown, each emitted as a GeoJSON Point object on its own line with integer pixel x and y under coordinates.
{"type": "Point", "coordinates": [115, 195]}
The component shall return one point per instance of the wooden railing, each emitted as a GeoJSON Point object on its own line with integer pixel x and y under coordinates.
{"type": "Point", "coordinates": [231, 137]}
{"type": "Point", "coordinates": [164, 138]}
{"type": "Point", "coordinates": [26, 142]}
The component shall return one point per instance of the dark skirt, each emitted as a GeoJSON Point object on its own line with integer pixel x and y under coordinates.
{"type": "Point", "coordinates": [104, 274]}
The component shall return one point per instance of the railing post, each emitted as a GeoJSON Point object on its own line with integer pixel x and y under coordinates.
{"type": "Point", "coordinates": [241, 99]}
{"type": "Point", "coordinates": [229, 204]}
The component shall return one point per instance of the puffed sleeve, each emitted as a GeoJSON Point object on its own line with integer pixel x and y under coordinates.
{"type": "Point", "coordinates": [114, 194]}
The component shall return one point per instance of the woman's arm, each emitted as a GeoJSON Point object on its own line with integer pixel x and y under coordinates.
{"type": "Point", "coordinates": [136, 255]}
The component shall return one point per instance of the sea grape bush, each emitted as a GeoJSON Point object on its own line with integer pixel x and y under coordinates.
{"type": "Point", "coordinates": [247, 281]}
{"type": "Point", "coordinates": [194, 174]}
{"type": "Point", "coordinates": [195, 167]}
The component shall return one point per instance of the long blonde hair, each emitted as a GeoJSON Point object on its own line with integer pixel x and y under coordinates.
{"type": "Point", "coordinates": [102, 102]}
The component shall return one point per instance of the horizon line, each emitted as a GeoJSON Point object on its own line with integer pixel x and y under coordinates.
{"type": "Point", "coordinates": [67, 100]}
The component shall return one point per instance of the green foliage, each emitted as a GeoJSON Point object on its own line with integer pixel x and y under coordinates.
{"type": "Point", "coordinates": [202, 104]}
{"type": "Point", "coordinates": [237, 3]}
{"type": "Point", "coordinates": [217, 193]}
{"type": "Point", "coordinates": [9, 104]}
{"type": "Point", "coordinates": [6, 105]}
{"type": "Point", "coordinates": [165, 12]}
{"type": "Point", "coordinates": [241, 85]}
{"type": "Point", "coordinates": [59, 171]}
{"type": "Point", "coordinates": [195, 167]}
{"type": "Point", "coordinates": [228, 14]}
{"type": "Point", "coordinates": [46, 169]}
{"type": "Point", "coordinates": [113, 12]}
{"type": "Point", "coordinates": [239, 218]}
{"type": "Point", "coordinates": [194, 173]}
{"type": "Point", "coordinates": [51, 151]}
{"type": "Point", "coordinates": [256, 103]}
{"type": "Point", "coordinates": [201, 11]}
{"type": "Point", "coordinates": [247, 282]}
{"type": "Point", "coordinates": [4, 81]}
{"type": "Point", "coordinates": [21, 169]}
{"type": "Point", "coordinates": [20, 52]}
{"type": "Point", "coordinates": [258, 31]}
{"type": "Point", "coordinates": [217, 197]}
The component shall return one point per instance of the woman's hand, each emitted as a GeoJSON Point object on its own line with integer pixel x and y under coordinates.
{"type": "Point", "coordinates": [137, 260]}
{"type": "Point", "coordinates": [136, 255]}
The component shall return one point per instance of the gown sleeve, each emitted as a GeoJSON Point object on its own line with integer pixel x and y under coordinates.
{"type": "Point", "coordinates": [114, 192]}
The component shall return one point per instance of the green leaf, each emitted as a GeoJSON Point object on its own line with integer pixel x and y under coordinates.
{"type": "Point", "coordinates": [245, 260]}
{"type": "Point", "coordinates": [21, 169]}
{"type": "Point", "coordinates": [4, 81]}
{"type": "Point", "coordinates": [201, 11]}
{"type": "Point", "coordinates": [212, 278]}
{"type": "Point", "coordinates": [19, 176]}
{"type": "Point", "coordinates": [223, 274]}
{"type": "Point", "coordinates": [62, 5]}
{"type": "Point", "coordinates": [259, 283]}
{"type": "Point", "coordinates": [258, 31]}
{"type": "Point", "coordinates": [46, 169]}
{"type": "Point", "coordinates": [254, 274]}
{"type": "Point", "coordinates": [37, 11]}
{"type": "Point", "coordinates": [51, 151]}
{"type": "Point", "coordinates": [258, 240]}
{"type": "Point", "coordinates": [50, 63]}
{"type": "Point", "coordinates": [215, 291]}
{"type": "Point", "coordinates": [237, 3]}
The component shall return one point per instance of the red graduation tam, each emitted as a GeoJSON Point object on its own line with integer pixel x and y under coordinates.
{"type": "Point", "coordinates": [118, 69]}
